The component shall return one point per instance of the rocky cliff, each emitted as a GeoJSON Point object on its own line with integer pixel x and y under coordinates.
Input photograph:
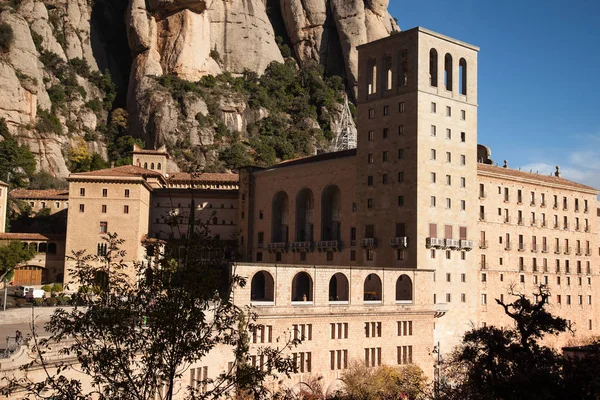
{"type": "Point", "coordinates": [66, 65]}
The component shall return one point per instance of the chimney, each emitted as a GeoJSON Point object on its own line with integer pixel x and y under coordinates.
{"type": "Point", "coordinates": [112, 164]}
{"type": "Point", "coordinates": [505, 164]}
{"type": "Point", "coordinates": [557, 173]}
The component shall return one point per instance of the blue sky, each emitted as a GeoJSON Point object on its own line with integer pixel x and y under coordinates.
{"type": "Point", "coordinates": [539, 77]}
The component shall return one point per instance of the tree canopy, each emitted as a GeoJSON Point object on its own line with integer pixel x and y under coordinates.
{"type": "Point", "coordinates": [13, 253]}
{"type": "Point", "coordinates": [17, 163]}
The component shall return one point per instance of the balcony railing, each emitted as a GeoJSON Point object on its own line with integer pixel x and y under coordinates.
{"type": "Point", "coordinates": [301, 246]}
{"type": "Point", "coordinates": [278, 247]}
{"type": "Point", "coordinates": [452, 244]}
{"type": "Point", "coordinates": [435, 243]}
{"type": "Point", "coordinates": [483, 244]}
{"type": "Point", "coordinates": [329, 245]}
{"type": "Point", "coordinates": [466, 245]}
{"type": "Point", "coordinates": [400, 242]}
{"type": "Point", "coordinates": [368, 243]}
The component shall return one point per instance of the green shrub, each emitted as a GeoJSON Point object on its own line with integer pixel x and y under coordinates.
{"type": "Point", "coordinates": [80, 66]}
{"type": "Point", "coordinates": [57, 95]}
{"type": "Point", "coordinates": [38, 302]}
{"type": "Point", "coordinates": [48, 123]}
{"type": "Point", "coordinates": [37, 40]}
{"type": "Point", "coordinates": [46, 288]}
{"type": "Point", "coordinates": [57, 287]}
{"type": "Point", "coordinates": [95, 105]}
{"type": "Point", "coordinates": [63, 300]}
{"type": "Point", "coordinates": [51, 301]}
{"type": "Point", "coordinates": [214, 54]}
{"type": "Point", "coordinates": [6, 37]}
{"type": "Point", "coordinates": [21, 303]}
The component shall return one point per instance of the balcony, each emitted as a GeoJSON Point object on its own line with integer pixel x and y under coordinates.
{"type": "Point", "coordinates": [329, 245]}
{"type": "Point", "coordinates": [544, 224]}
{"type": "Point", "coordinates": [452, 244]}
{"type": "Point", "coordinates": [506, 199]}
{"type": "Point", "coordinates": [482, 216]}
{"type": "Point", "coordinates": [534, 248]}
{"type": "Point", "coordinates": [277, 247]}
{"type": "Point", "coordinates": [578, 252]}
{"type": "Point", "coordinates": [301, 246]}
{"type": "Point", "coordinates": [506, 219]}
{"type": "Point", "coordinates": [533, 222]}
{"type": "Point", "coordinates": [368, 243]}
{"type": "Point", "coordinates": [507, 246]}
{"type": "Point", "coordinates": [434, 243]}
{"type": "Point", "coordinates": [544, 249]}
{"type": "Point", "coordinates": [568, 250]}
{"type": "Point", "coordinates": [520, 221]}
{"type": "Point", "coordinates": [557, 250]}
{"type": "Point", "coordinates": [543, 204]}
{"type": "Point", "coordinates": [400, 242]}
{"type": "Point", "coordinates": [466, 245]}
{"type": "Point", "coordinates": [521, 246]}
{"type": "Point", "coordinates": [483, 244]}
{"type": "Point", "coordinates": [482, 195]}
{"type": "Point", "coordinates": [566, 226]}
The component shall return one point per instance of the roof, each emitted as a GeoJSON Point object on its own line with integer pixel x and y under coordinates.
{"type": "Point", "coordinates": [162, 151]}
{"type": "Point", "coordinates": [2, 183]}
{"type": "Point", "coordinates": [204, 177]}
{"type": "Point", "coordinates": [319, 157]}
{"type": "Point", "coordinates": [49, 194]}
{"type": "Point", "coordinates": [28, 236]}
{"type": "Point", "coordinates": [549, 179]}
{"type": "Point", "coordinates": [124, 171]}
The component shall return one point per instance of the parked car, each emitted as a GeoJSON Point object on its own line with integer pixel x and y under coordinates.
{"type": "Point", "coordinates": [35, 294]}
{"type": "Point", "coordinates": [23, 290]}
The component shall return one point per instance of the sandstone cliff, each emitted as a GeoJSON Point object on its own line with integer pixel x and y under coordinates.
{"type": "Point", "coordinates": [55, 99]}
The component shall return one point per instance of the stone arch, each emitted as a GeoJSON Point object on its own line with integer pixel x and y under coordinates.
{"type": "Point", "coordinates": [146, 165]}
{"type": "Point", "coordinates": [152, 166]}
{"type": "Point", "coordinates": [388, 75]}
{"type": "Point", "coordinates": [262, 287]}
{"type": "Point", "coordinates": [279, 217]}
{"type": "Point", "coordinates": [42, 248]}
{"type": "Point", "coordinates": [302, 287]}
{"type": "Point", "coordinates": [159, 166]}
{"type": "Point", "coordinates": [448, 71]}
{"type": "Point", "coordinates": [404, 289]}
{"type": "Point", "coordinates": [372, 76]}
{"type": "Point", "coordinates": [334, 388]}
{"type": "Point", "coordinates": [339, 288]}
{"type": "Point", "coordinates": [331, 213]}
{"type": "Point", "coordinates": [433, 67]}
{"type": "Point", "coordinates": [372, 288]}
{"type": "Point", "coordinates": [462, 76]}
{"type": "Point", "coordinates": [305, 207]}
{"type": "Point", "coordinates": [402, 78]}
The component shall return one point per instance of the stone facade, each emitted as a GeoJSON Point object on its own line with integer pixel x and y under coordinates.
{"type": "Point", "coordinates": [3, 205]}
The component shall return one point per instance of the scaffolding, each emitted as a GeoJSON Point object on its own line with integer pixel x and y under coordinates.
{"type": "Point", "coordinates": [344, 135]}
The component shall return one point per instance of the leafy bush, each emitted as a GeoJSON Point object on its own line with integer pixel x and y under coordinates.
{"type": "Point", "coordinates": [214, 54]}
{"type": "Point", "coordinates": [38, 302]}
{"type": "Point", "coordinates": [48, 123]}
{"type": "Point", "coordinates": [20, 303]}
{"type": "Point", "coordinates": [56, 288]}
{"type": "Point", "coordinates": [63, 300]}
{"type": "Point", "coordinates": [51, 301]}
{"type": "Point", "coordinates": [80, 66]}
{"type": "Point", "coordinates": [57, 95]}
{"type": "Point", "coordinates": [43, 180]}
{"type": "Point", "coordinates": [46, 288]}
{"type": "Point", "coordinates": [6, 37]}
{"type": "Point", "coordinates": [95, 105]}
{"type": "Point", "coordinates": [15, 159]}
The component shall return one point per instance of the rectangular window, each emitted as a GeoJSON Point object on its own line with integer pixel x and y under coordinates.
{"type": "Point", "coordinates": [400, 177]}
{"type": "Point", "coordinates": [371, 113]}
{"type": "Point", "coordinates": [433, 130]}
{"type": "Point", "coordinates": [370, 159]}
{"type": "Point", "coordinates": [400, 130]}
{"type": "Point", "coordinates": [463, 137]}
{"type": "Point", "coordinates": [384, 179]}
{"type": "Point", "coordinates": [400, 201]}
{"type": "Point", "coordinates": [463, 205]}
{"type": "Point", "coordinates": [127, 193]}
{"type": "Point", "coordinates": [386, 110]}
{"type": "Point", "coordinates": [404, 355]}
{"type": "Point", "coordinates": [371, 136]}
{"type": "Point", "coordinates": [432, 154]}
{"type": "Point", "coordinates": [400, 154]}
{"type": "Point", "coordinates": [81, 207]}
{"type": "Point", "coordinates": [448, 180]}
{"type": "Point", "coordinates": [103, 227]}
{"type": "Point", "coordinates": [369, 203]}
{"type": "Point", "coordinates": [463, 115]}
{"type": "Point", "coordinates": [432, 201]}
{"type": "Point", "coordinates": [385, 133]}
{"type": "Point", "coordinates": [401, 107]}
{"type": "Point", "coordinates": [352, 255]}
{"type": "Point", "coordinates": [448, 111]}
{"type": "Point", "coordinates": [448, 134]}
{"type": "Point", "coordinates": [463, 159]}
{"type": "Point", "coordinates": [433, 179]}
{"type": "Point", "coordinates": [448, 157]}
{"type": "Point", "coordinates": [433, 107]}
{"type": "Point", "coordinates": [104, 192]}
{"type": "Point", "coordinates": [448, 204]}
{"type": "Point", "coordinates": [82, 192]}
{"type": "Point", "coordinates": [103, 208]}
{"type": "Point", "coordinates": [370, 180]}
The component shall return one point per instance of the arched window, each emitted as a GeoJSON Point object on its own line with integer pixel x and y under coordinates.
{"type": "Point", "coordinates": [339, 288]}
{"type": "Point", "coordinates": [462, 76]}
{"type": "Point", "coordinates": [388, 74]}
{"type": "Point", "coordinates": [138, 162]}
{"type": "Point", "coordinates": [159, 167]}
{"type": "Point", "coordinates": [32, 246]}
{"type": "Point", "coordinates": [331, 213]}
{"type": "Point", "coordinates": [305, 204]}
{"type": "Point", "coordinates": [372, 76]}
{"type": "Point", "coordinates": [279, 216]}
{"type": "Point", "coordinates": [302, 287]}
{"type": "Point", "coordinates": [51, 248]}
{"type": "Point", "coordinates": [372, 288]}
{"type": "Point", "coordinates": [42, 247]}
{"type": "Point", "coordinates": [433, 67]}
{"type": "Point", "coordinates": [146, 165]}
{"type": "Point", "coordinates": [404, 289]}
{"type": "Point", "coordinates": [402, 78]}
{"type": "Point", "coordinates": [152, 166]}
{"type": "Point", "coordinates": [448, 72]}
{"type": "Point", "coordinates": [262, 287]}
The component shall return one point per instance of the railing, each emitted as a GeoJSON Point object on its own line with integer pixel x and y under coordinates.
{"type": "Point", "coordinates": [436, 243]}
{"type": "Point", "coordinates": [483, 244]}
{"type": "Point", "coordinates": [329, 245]}
{"type": "Point", "coordinates": [466, 244]}
{"type": "Point", "coordinates": [368, 243]}
{"type": "Point", "coordinates": [277, 247]}
{"type": "Point", "coordinates": [301, 246]}
{"type": "Point", "coordinates": [399, 242]}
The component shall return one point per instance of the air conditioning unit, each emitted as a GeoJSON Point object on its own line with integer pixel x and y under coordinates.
{"type": "Point", "coordinates": [452, 244]}
{"type": "Point", "coordinates": [466, 245]}
{"type": "Point", "coordinates": [401, 242]}
{"type": "Point", "coordinates": [435, 243]}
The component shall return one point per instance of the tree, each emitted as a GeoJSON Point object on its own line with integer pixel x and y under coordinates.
{"type": "Point", "coordinates": [136, 336]}
{"type": "Point", "coordinates": [17, 163]}
{"type": "Point", "coordinates": [405, 382]}
{"type": "Point", "coordinates": [509, 363]}
{"type": "Point", "coordinates": [12, 253]}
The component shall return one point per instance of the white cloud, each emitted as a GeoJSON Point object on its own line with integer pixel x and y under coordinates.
{"type": "Point", "coordinates": [582, 167]}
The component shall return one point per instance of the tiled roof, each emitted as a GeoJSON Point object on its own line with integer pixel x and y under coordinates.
{"type": "Point", "coordinates": [205, 177]}
{"type": "Point", "coordinates": [50, 194]}
{"type": "Point", "coordinates": [550, 179]}
{"type": "Point", "coordinates": [28, 236]}
{"type": "Point", "coordinates": [122, 171]}
{"type": "Point", "coordinates": [155, 152]}
{"type": "Point", "coordinates": [2, 183]}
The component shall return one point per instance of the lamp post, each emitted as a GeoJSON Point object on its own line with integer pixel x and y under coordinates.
{"type": "Point", "coordinates": [436, 350]}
